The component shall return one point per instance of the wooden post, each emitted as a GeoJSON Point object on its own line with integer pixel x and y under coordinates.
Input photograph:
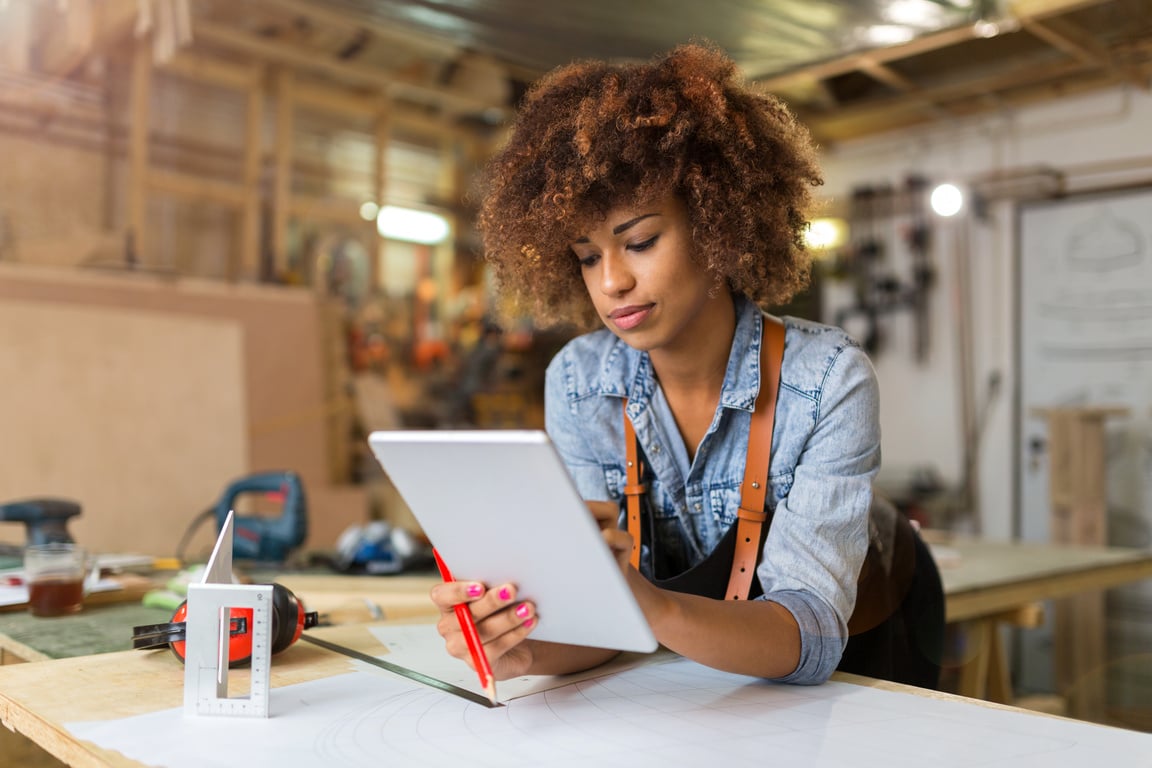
{"type": "Point", "coordinates": [383, 136]}
{"type": "Point", "coordinates": [249, 263]}
{"type": "Point", "coordinates": [138, 130]}
{"type": "Point", "coordinates": [1078, 495]}
{"type": "Point", "coordinates": [282, 185]}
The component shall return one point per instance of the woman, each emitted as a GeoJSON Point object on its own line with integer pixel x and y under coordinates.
{"type": "Point", "coordinates": [666, 202]}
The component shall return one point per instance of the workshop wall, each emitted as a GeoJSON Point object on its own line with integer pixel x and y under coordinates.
{"type": "Point", "coordinates": [1094, 141]}
{"type": "Point", "coordinates": [52, 202]}
{"type": "Point", "coordinates": [257, 400]}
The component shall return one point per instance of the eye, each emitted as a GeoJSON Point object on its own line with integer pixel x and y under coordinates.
{"type": "Point", "coordinates": [644, 245]}
{"type": "Point", "coordinates": [588, 260]}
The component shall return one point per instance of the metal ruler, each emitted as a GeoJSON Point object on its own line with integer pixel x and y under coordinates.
{"type": "Point", "coordinates": [411, 674]}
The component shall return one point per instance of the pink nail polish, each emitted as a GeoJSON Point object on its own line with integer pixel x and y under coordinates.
{"type": "Point", "coordinates": [522, 611]}
{"type": "Point", "coordinates": [530, 623]}
{"type": "Point", "coordinates": [475, 590]}
{"type": "Point", "coordinates": [505, 593]}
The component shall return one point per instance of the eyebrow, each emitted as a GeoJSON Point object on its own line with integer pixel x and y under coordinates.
{"type": "Point", "coordinates": [624, 226]}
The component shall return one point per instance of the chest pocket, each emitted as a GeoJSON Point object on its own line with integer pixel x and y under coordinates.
{"type": "Point", "coordinates": [724, 501]}
{"type": "Point", "coordinates": [668, 545]}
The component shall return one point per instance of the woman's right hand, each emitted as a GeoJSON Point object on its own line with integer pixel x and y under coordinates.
{"type": "Point", "coordinates": [502, 621]}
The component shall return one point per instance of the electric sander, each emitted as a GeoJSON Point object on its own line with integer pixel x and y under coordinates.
{"type": "Point", "coordinates": [46, 519]}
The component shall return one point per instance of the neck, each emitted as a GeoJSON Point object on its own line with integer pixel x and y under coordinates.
{"type": "Point", "coordinates": [700, 363]}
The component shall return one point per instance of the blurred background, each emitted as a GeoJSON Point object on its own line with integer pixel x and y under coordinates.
{"type": "Point", "coordinates": [238, 236]}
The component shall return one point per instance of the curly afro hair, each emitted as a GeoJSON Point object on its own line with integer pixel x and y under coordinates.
{"type": "Point", "coordinates": [591, 136]}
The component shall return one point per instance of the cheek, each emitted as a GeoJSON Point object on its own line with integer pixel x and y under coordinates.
{"type": "Point", "coordinates": [590, 278]}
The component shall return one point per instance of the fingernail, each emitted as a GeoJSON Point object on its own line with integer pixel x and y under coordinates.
{"type": "Point", "coordinates": [475, 590]}
{"type": "Point", "coordinates": [522, 610]}
{"type": "Point", "coordinates": [530, 623]}
{"type": "Point", "coordinates": [505, 593]}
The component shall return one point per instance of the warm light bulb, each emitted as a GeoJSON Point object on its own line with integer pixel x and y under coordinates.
{"type": "Point", "coordinates": [824, 233]}
{"type": "Point", "coordinates": [411, 225]}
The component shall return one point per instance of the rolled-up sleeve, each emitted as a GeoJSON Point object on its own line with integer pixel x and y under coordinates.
{"type": "Point", "coordinates": [819, 533]}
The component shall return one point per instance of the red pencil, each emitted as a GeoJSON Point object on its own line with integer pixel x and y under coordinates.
{"type": "Point", "coordinates": [471, 636]}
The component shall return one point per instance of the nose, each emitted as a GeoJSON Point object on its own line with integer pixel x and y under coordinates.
{"type": "Point", "coordinates": [615, 277]}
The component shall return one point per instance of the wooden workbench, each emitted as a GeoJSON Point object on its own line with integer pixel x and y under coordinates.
{"type": "Point", "coordinates": [994, 576]}
{"type": "Point", "coordinates": [986, 583]}
{"type": "Point", "coordinates": [990, 583]}
{"type": "Point", "coordinates": [105, 626]}
{"type": "Point", "coordinates": [36, 699]}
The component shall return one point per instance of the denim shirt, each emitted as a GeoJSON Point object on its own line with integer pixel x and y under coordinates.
{"type": "Point", "coordinates": [825, 452]}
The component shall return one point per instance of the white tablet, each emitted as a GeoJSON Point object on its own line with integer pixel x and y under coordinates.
{"type": "Point", "coordinates": [499, 506]}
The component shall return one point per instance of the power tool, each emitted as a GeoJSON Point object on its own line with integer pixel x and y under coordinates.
{"type": "Point", "coordinates": [266, 538]}
{"type": "Point", "coordinates": [46, 519]}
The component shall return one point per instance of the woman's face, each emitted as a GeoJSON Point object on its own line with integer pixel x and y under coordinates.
{"type": "Point", "coordinates": [638, 268]}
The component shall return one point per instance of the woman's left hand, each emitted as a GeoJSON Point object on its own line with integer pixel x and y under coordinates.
{"type": "Point", "coordinates": [619, 541]}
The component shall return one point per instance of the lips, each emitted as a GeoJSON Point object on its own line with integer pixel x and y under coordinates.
{"type": "Point", "coordinates": [626, 318]}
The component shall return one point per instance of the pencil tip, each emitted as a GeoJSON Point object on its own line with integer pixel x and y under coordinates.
{"type": "Point", "coordinates": [490, 689]}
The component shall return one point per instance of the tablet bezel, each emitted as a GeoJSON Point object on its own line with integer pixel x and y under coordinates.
{"type": "Point", "coordinates": [500, 506]}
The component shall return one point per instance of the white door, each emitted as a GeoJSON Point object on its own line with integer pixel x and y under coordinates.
{"type": "Point", "coordinates": [1086, 339]}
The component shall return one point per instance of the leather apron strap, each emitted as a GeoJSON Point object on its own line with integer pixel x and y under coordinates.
{"type": "Point", "coordinates": [633, 488]}
{"type": "Point", "coordinates": [754, 488]}
{"type": "Point", "coordinates": [753, 492]}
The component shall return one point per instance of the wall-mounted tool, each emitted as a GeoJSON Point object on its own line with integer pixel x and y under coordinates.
{"type": "Point", "coordinates": [46, 519]}
{"type": "Point", "coordinates": [879, 287]}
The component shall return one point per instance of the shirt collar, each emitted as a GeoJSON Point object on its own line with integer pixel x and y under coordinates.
{"type": "Point", "coordinates": [629, 372]}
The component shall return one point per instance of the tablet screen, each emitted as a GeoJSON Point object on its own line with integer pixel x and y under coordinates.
{"type": "Point", "coordinates": [499, 507]}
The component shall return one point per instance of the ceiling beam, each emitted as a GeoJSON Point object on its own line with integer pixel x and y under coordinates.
{"type": "Point", "coordinates": [886, 75]}
{"type": "Point", "coordinates": [857, 61]}
{"type": "Point", "coordinates": [1042, 9]}
{"type": "Point", "coordinates": [350, 23]}
{"type": "Point", "coordinates": [1017, 13]}
{"type": "Point", "coordinates": [351, 74]}
{"type": "Point", "coordinates": [901, 113]}
{"type": "Point", "coordinates": [1069, 40]}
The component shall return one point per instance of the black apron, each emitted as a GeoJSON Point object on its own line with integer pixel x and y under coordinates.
{"type": "Point", "coordinates": [896, 631]}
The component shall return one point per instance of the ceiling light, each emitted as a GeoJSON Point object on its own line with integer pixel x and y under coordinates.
{"type": "Point", "coordinates": [916, 13]}
{"type": "Point", "coordinates": [947, 200]}
{"type": "Point", "coordinates": [369, 210]}
{"type": "Point", "coordinates": [411, 225]}
{"type": "Point", "coordinates": [888, 34]}
{"type": "Point", "coordinates": [985, 28]}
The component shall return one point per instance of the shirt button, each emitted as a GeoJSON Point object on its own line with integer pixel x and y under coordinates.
{"type": "Point", "coordinates": [697, 507]}
{"type": "Point", "coordinates": [655, 449]}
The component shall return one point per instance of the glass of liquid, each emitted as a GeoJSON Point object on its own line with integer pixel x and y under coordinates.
{"type": "Point", "coordinates": [55, 576]}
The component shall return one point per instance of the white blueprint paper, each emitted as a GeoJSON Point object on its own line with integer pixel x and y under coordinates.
{"type": "Point", "coordinates": [672, 714]}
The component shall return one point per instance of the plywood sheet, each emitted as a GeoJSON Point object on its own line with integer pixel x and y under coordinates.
{"type": "Point", "coordinates": [138, 416]}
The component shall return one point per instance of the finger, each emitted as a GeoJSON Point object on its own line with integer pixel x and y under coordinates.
{"type": "Point", "coordinates": [499, 632]}
{"type": "Point", "coordinates": [606, 513]}
{"type": "Point", "coordinates": [493, 600]}
{"type": "Point", "coordinates": [505, 644]}
{"type": "Point", "coordinates": [499, 603]}
{"type": "Point", "coordinates": [448, 595]}
{"type": "Point", "coordinates": [620, 544]}
{"type": "Point", "coordinates": [510, 619]}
